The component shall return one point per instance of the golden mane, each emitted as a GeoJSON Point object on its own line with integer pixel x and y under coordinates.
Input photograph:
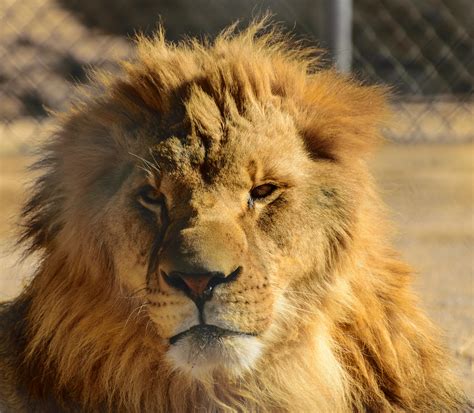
{"type": "Point", "coordinates": [89, 343]}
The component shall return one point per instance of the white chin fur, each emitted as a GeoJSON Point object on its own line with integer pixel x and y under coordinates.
{"type": "Point", "coordinates": [232, 354]}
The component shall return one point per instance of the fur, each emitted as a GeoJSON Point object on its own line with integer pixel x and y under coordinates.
{"type": "Point", "coordinates": [335, 327]}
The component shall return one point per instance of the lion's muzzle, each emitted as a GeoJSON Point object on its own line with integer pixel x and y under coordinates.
{"type": "Point", "coordinates": [199, 287]}
{"type": "Point", "coordinates": [209, 301]}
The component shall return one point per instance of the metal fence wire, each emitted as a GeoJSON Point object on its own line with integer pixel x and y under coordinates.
{"type": "Point", "coordinates": [424, 49]}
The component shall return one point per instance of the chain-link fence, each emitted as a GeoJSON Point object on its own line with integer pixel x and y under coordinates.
{"type": "Point", "coordinates": [423, 48]}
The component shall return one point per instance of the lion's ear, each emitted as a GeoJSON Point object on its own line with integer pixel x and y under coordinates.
{"type": "Point", "coordinates": [341, 118]}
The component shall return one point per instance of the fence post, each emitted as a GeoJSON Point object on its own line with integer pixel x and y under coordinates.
{"type": "Point", "coordinates": [338, 32]}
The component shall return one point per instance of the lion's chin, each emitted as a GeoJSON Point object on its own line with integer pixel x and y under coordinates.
{"type": "Point", "coordinates": [202, 350]}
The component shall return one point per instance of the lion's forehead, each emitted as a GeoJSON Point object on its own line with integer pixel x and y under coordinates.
{"type": "Point", "coordinates": [205, 136]}
{"type": "Point", "coordinates": [234, 161]}
{"type": "Point", "coordinates": [191, 161]}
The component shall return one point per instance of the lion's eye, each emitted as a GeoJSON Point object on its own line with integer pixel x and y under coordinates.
{"type": "Point", "coordinates": [262, 191]}
{"type": "Point", "coordinates": [149, 196]}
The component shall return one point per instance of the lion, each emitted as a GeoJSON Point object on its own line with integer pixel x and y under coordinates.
{"type": "Point", "coordinates": [211, 239]}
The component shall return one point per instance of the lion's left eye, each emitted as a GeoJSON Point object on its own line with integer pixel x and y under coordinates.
{"type": "Point", "coordinates": [149, 196]}
{"type": "Point", "coordinates": [262, 191]}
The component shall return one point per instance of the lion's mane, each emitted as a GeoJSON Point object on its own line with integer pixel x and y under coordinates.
{"type": "Point", "coordinates": [83, 343]}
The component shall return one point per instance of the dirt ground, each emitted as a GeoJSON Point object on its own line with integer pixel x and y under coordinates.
{"type": "Point", "coordinates": [430, 191]}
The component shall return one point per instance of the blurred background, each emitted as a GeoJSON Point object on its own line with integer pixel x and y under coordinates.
{"type": "Point", "coordinates": [423, 49]}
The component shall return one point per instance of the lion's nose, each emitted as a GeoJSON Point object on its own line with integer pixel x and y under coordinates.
{"type": "Point", "coordinates": [198, 286]}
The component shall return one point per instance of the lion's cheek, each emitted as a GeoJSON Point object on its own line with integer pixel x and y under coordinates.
{"type": "Point", "coordinates": [250, 313]}
{"type": "Point", "coordinates": [130, 268]}
{"type": "Point", "coordinates": [131, 276]}
{"type": "Point", "coordinates": [130, 243]}
{"type": "Point", "coordinates": [173, 318]}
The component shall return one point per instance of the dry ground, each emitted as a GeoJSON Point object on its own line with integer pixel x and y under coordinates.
{"type": "Point", "coordinates": [430, 191]}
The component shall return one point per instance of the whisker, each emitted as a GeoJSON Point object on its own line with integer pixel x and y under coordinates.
{"type": "Point", "coordinates": [136, 310]}
{"type": "Point", "coordinates": [149, 166]}
{"type": "Point", "coordinates": [293, 308]}
{"type": "Point", "coordinates": [134, 293]}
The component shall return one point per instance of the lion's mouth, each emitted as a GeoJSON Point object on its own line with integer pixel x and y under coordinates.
{"type": "Point", "coordinates": [207, 333]}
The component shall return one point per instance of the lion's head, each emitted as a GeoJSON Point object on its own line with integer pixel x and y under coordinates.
{"type": "Point", "coordinates": [196, 214]}
{"type": "Point", "coordinates": [208, 181]}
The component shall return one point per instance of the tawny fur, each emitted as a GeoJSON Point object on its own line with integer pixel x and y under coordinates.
{"type": "Point", "coordinates": [340, 329]}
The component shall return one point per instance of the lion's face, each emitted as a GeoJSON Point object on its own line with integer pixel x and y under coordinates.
{"type": "Point", "coordinates": [219, 188]}
{"type": "Point", "coordinates": [214, 231]}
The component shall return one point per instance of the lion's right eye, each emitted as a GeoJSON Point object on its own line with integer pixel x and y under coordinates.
{"type": "Point", "coordinates": [148, 196]}
{"type": "Point", "coordinates": [262, 191]}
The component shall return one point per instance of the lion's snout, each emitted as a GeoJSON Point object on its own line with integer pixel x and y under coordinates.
{"type": "Point", "coordinates": [198, 286]}
{"type": "Point", "coordinates": [196, 259]}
